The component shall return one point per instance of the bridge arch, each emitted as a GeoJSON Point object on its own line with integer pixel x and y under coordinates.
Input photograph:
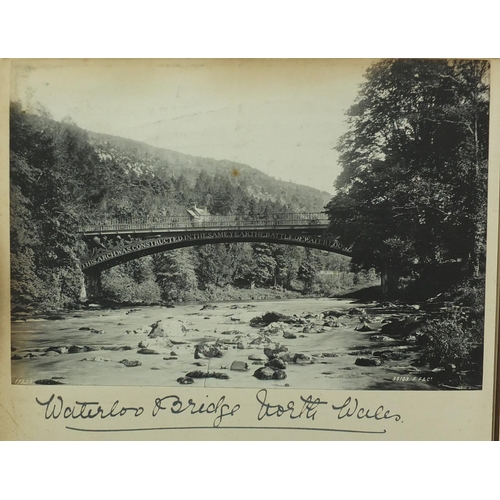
{"type": "Point", "coordinates": [127, 251]}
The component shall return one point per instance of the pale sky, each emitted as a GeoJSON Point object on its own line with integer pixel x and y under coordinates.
{"type": "Point", "coordinates": [282, 117]}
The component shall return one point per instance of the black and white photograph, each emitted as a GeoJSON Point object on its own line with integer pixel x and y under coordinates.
{"type": "Point", "coordinates": [243, 223]}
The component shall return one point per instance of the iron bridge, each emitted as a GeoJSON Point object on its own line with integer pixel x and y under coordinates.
{"type": "Point", "coordinates": [113, 242]}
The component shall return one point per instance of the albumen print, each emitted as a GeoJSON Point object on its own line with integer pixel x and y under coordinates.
{"type": "Point", "coordinates": [273, 224]}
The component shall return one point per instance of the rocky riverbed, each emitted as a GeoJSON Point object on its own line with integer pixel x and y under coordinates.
{"type": "Point", "coordinates": [305, 343]}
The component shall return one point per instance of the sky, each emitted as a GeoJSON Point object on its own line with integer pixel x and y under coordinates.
{"type": "Point", "coordinates": [283, 117]}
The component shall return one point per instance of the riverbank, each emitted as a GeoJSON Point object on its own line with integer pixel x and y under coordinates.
{"type": "Point", "coordinates": [226, 294]}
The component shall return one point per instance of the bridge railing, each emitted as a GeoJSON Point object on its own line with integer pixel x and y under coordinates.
{"type": "Point", "coordinates": [180, 223]}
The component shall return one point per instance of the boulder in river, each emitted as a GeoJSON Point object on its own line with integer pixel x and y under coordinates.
{"type": "Point", "coordinates": [333, 313]}
{"type": "Point", "coordinates": [158, 329]}
{"type": "Point", "coordinates": [368, 362]}
{"type": "Point", "coordinates": [59, 349]}
{"type": "Point", "coordinates": [271, 317]}
{"type": "Point", "coordinates": [361, 352]}
{"type": "Point", "coordinates": [51, 354]}
{"type": "Point", "coordinates": [289, 335]}
{"type": "Point", "coordinates": [313, 329]}
{"type": "Point", "coordinates": [130, 363]}
{"type": "Point", "coordinates": [239, 366]}
{"type": "Point", "coordinates": [354, 311]}
{"type": "Point", "coordinates": [117, 348]}
{"type": "Point", "coordinates": [381, 338]}
{"type": "Point", "coordinates": [202, 374]}
{"type": "Point", "coordinates": [277, 328]}
{"type": "Point", "coordinates": [275, 351]}
{"type": "Point", "coordinates": [208, 307]}
{"type": "Point", "coordinates": [205, 350]}
{"type": "Point", "coordinates": [268, 373]}
{"type": "Point", "coordinates": [302, 359]}
{"type": "Point", "coordinates": [185, 380]}
{"type": "Point", "coordinates": [277, 363]}
{"type": "Point", "coordinates": [365, 327]}
{"type": "Point", "coordinates": [74, 349]}
{"type": "Point", "coordinates": [333, 323]}
{"type": "Point", "coordinates": [258, 357]}
{"type": "Point", "coordinates": [167, 328]}
{"type": "Point", "coordinates": [147, 351]}
{"type": "Point", "coordinates": [261, 340]}
{"type": "Point", "coordinates": [402, 327]}
{"type": "Point", "coordinates": [97, 359]}
{"type": "Point", "coordinates": [48, 381]}
{"type": "Point", "coordinates": [16, 357]}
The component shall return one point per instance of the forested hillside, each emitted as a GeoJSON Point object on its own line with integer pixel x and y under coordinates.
{"type": "Point", "coordinates": [62, 175]}
{"type": "Point", "coordinates": [142, 158]}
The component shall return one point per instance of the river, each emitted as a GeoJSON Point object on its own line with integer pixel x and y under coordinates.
{"type": "Point", "coordinates": [89, 347]}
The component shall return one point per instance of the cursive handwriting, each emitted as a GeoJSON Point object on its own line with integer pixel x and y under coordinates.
{"type": "Point", "coordinates": [217, 412]}
{"type": "Point", "coordinates": [307, 406]}
{"type": "Point", "coordinates": [55, 408]}
{"type": "Point", "coordinates": [177, 406]}
{"type": "Point", "coordinates": [351, 408]}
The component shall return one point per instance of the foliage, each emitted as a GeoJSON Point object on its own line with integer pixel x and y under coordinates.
{"type": "Point", "coordinates": [44, 247]}
{"type": "Point", "coordinates": [62, 175]}
{"type": "Point", "coordinates": [175, 275]}
{"type": "Point", "coordinates": [454, 340]}
{"type": "Point", "coordinates": [411, 195]}
{"type": "Point", "coordinates": [133, 282]}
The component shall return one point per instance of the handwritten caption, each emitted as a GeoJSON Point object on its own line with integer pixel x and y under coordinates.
{"type": "Point", "coordinates": [221, 413]}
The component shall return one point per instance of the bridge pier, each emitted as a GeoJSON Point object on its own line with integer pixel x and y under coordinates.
{"type": "Point", "coordinates": [390, 282]}
{"type": "Point", "coordinates": [93, 288]}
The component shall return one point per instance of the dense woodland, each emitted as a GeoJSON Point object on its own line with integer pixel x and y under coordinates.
{"type": "Point", "coordinates": [412, 195]}
{"type": "Point", "coordinates": [62, 175]}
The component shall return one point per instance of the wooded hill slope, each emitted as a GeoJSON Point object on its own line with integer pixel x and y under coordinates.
{"type": "Point", "coordinates": [141, 158]}
{"type": "Point", "coordinates": [62, 175]}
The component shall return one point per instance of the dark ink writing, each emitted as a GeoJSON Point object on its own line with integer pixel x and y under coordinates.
{"type": "Point", "coordinates": [307, 406]}
{"type": "Point", "coordinates": [351, 408]}
{"type": "Point", "coordinates": [55, 408]}
{"type": "Point", "coordinates": [177, 406]}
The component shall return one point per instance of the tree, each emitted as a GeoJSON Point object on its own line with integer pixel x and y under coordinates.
{"type": "Point", "coordinates": [411, 195]}
{"type": "Point", "coordinates": [214, 266]}
{"type": "Point", "coordinates": [175, 274]}
{"type": "Point", "coordinates": [264, 267]}
{"type": "Point", "coordinates": [308, 269]}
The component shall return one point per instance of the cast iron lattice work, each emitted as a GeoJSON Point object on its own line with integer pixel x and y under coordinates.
{"type": "Point", "coordinates": [113, 242]}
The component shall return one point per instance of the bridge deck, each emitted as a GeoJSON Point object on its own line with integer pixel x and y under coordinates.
{"type": "Point", "coordinates": [300, 221]}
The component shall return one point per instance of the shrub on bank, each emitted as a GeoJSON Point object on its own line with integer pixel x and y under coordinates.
{"type": "Point", "coordinates": [454, 341]}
